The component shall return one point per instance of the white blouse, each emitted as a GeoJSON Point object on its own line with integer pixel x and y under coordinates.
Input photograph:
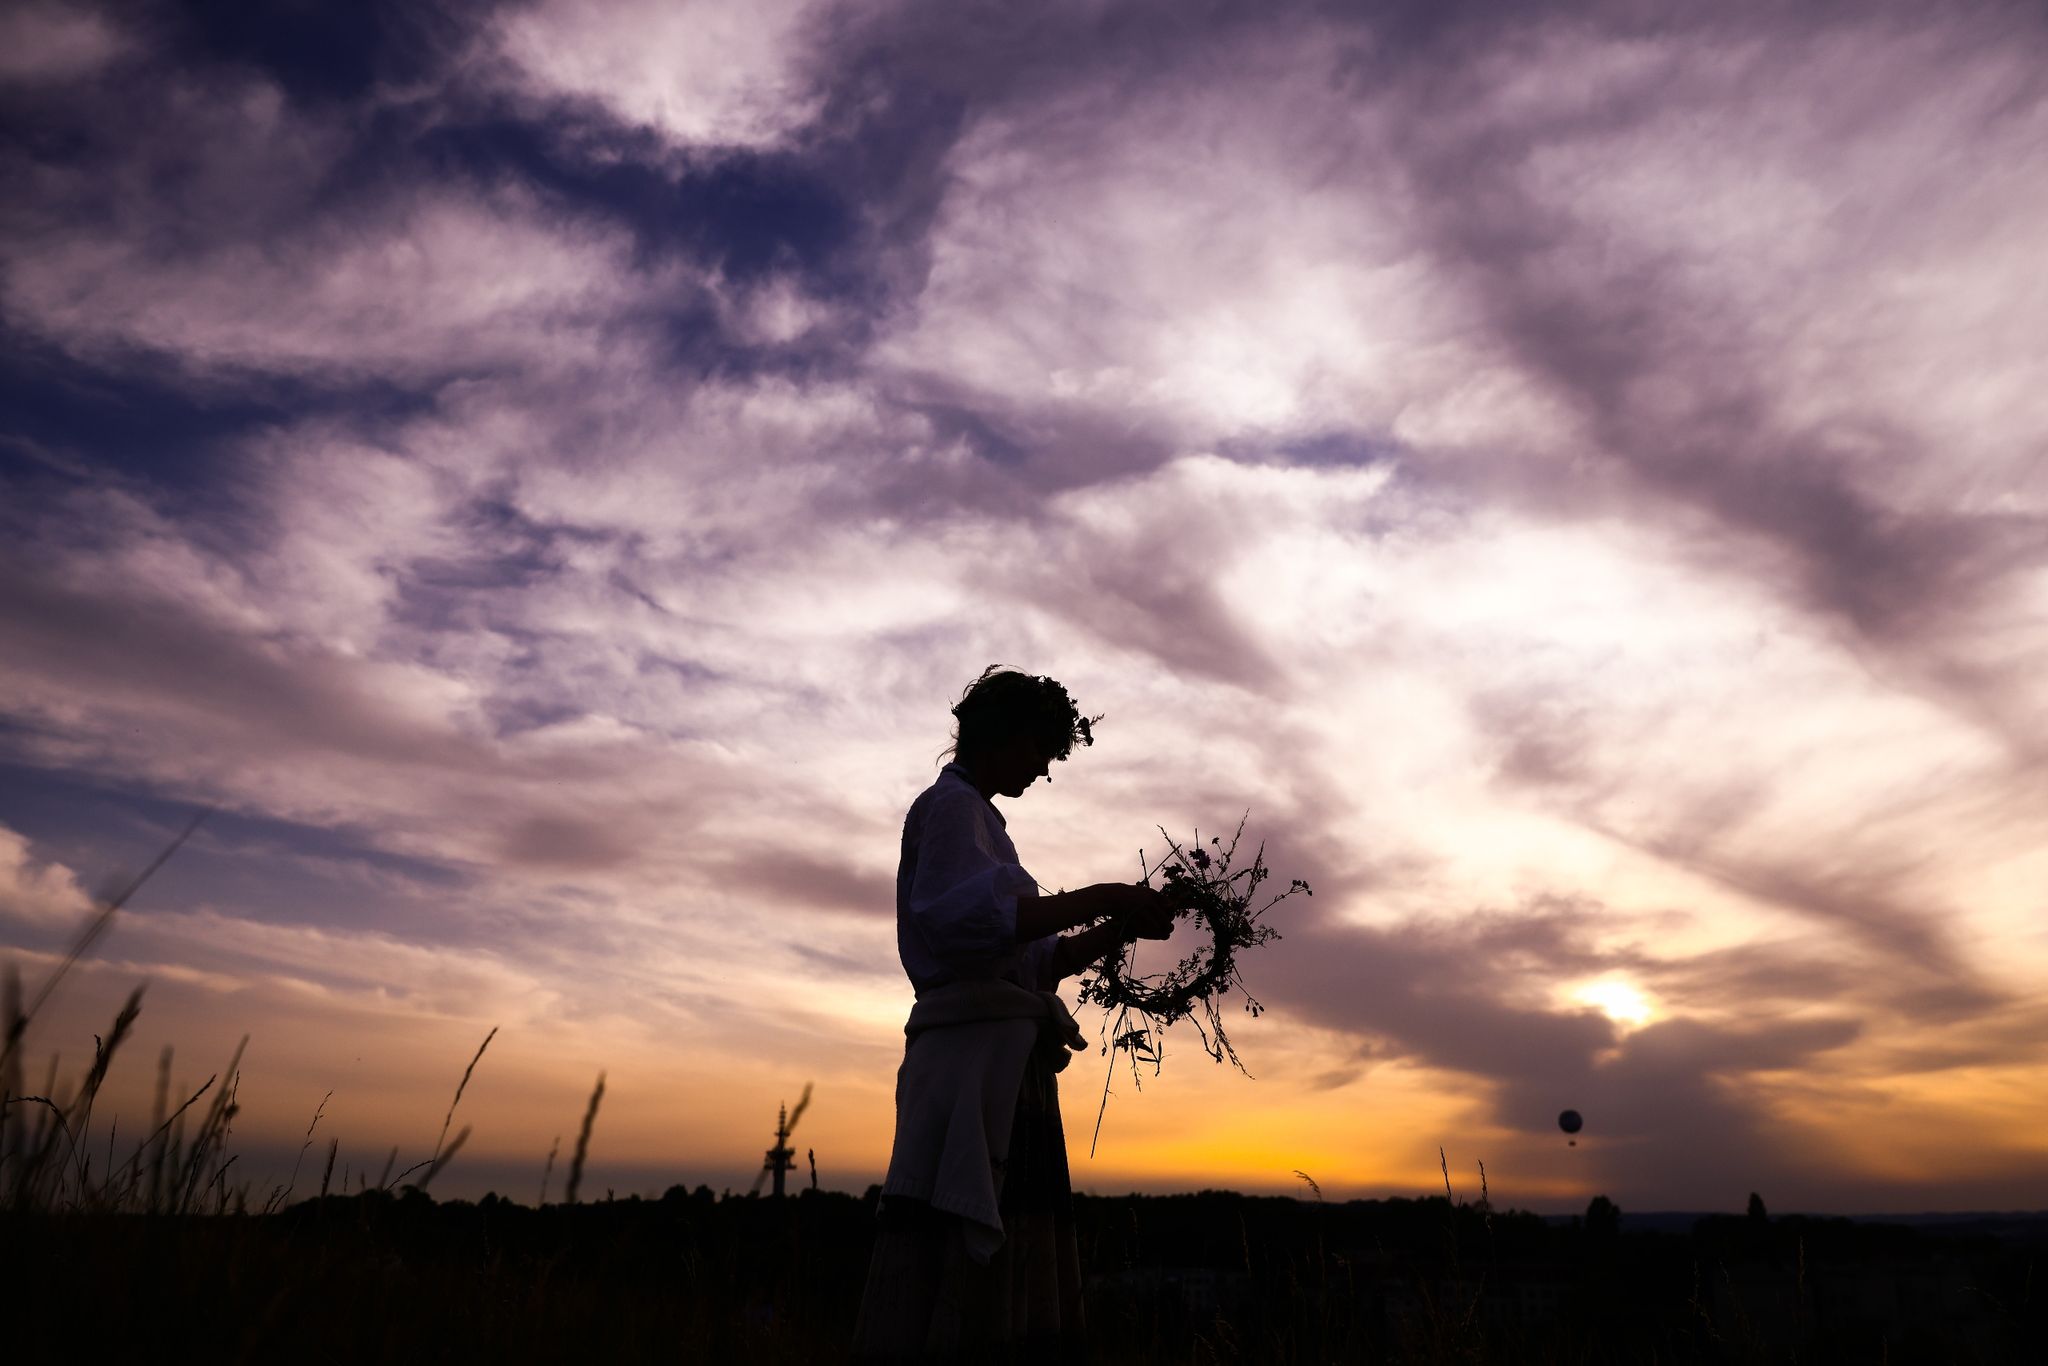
{"type": "Point", "coordinates": [957, 886]}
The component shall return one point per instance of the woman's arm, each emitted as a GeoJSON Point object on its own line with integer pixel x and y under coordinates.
{"type": "Point", "coordinates": [1132, 911]}
{"type": "Point", "coordinates": [1039, 916]}
{"type": "Point", "coordinates": [1077, 952]}
{"type": "Point", "coordinates": [1145, 907]}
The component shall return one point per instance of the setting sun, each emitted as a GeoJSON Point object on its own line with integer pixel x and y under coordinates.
{"type": "Point", "coordinates": [1620, 1001]}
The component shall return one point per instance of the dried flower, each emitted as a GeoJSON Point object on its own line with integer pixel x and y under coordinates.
{"type": "Point", "coordinates": [1220, 901]}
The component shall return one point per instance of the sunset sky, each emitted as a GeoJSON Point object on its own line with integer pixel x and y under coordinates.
{"type": "Point", "coordinates": [541, 472]}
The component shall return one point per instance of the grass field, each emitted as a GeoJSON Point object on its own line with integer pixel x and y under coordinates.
{"type": "Point", "coordinates": [1215, 1277]}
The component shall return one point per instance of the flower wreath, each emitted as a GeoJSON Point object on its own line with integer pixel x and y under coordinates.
{"type": "Point", "coordinates": [1137, 1008]}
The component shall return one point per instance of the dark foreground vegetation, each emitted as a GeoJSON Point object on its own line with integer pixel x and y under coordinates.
{"type": "Point", "coordinates": [166, 1255]}
{"type": "Point", "coordinates": [1215, 1277]}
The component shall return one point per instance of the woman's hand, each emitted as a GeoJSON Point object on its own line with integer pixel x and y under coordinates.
{"type": "Point", "coordinates": [1131, 909]}
{"type": "Point", "coordinates": [1138, 911]}
{"type": "Point", "coordinates": [1122, 911]}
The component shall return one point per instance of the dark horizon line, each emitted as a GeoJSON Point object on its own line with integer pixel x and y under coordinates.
{"type": "Point", "coordinates": [1671, 1215]}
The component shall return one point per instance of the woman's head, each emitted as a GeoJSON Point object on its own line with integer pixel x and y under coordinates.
{"type": "Point", "coordinates": [1010, 726]}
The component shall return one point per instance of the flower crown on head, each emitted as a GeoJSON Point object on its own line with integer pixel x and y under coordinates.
{"type": "Point", "coordinates": [1009, 702]}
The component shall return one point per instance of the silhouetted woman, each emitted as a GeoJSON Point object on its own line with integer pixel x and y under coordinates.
{"type": "Point", "coordinates": [975, 1256]}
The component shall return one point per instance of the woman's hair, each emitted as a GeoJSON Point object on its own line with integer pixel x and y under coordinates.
{"type": "Point", "coordinates": [1003, 703]}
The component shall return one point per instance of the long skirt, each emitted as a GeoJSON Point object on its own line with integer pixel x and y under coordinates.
{"type": "Point", "coordinates": [928, 1301]}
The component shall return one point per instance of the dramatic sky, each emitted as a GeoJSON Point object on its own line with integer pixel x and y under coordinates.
{"type": "Point", "coordinates": [540, 473]}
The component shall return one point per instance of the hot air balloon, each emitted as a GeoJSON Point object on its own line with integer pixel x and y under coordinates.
{"type": "Point", "coordinates": [1571, 1123]}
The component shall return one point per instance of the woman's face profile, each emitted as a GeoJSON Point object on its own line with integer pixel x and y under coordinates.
{"type": "Point", "coordinates": [1016, 763]}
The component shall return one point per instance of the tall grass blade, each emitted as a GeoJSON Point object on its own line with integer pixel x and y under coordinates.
{"type": "Point", "coordinates": [103, 917]}
{"type": "Point", "coordinates": [213, 1131]}
{"type": "Point", "coordinates": [158, 1120]}
{"type": "Point", "coordinates": [583, 1140]}
{"type": "Point", "coordinates": [292, 1183]}
{"type": "Point", "coordinates": [165, 1153]}
{"type": "Point", "coordinates": [459, 1089]}
{"type": "Point", "coordinates": [10, 1060]}
{"type": "Point", "coordinates": [444, 1157]}
{"type": "Point", "coordinates": [103, 1057]}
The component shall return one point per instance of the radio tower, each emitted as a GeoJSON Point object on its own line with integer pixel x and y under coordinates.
{"type": "Point", "coordinates": [782, 1157]}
